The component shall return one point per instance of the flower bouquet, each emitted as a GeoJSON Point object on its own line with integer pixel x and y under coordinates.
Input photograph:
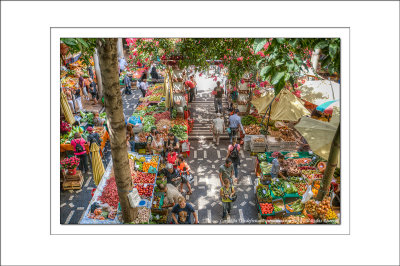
{"type": "Point", "coordinates": [65, 127]}
{"type": "Point", "coordinates": [70, 164]}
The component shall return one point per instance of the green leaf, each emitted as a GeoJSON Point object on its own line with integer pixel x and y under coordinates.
{"type": "Point", "coordinates": [287, 76]}
{"type": "Point", "coordinates": [259, 62]}
{"type": "Point", "coordinates": [277, 77]}
{"type": "Point", "coordinates": [321, 45]}
{"type": "Point", "coordinates": [333, 49]}
{"type": "Point", "coordinates": [259, 44]}
{"type": "Point", "coordinates": [280, 40]}
{"type": "Point", "coordinates": [69, 41]}
{"type": "Point", "coordinates": [264, 71]}
{"type": "Point", "coordinates": [82, 41]}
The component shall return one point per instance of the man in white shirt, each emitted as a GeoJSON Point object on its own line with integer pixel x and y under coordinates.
{"type": "Point", "coordinates": [217, 127]}
{"type": "Point", "coordinates": [122, 64]}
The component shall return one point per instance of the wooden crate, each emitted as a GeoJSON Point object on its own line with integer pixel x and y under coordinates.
{"type": "Point", "coordinates": [67, 185]}
{"type": "Point", "coordinates": [76, 177]}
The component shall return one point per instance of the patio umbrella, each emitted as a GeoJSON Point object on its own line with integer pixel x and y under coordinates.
{"type": "Point", "coordinates": [66, 110]}
{"type": "Point", "coordinates": [320, 91]}
{"type": "Point", "coordinates": [327, 107]}
{"type": "Point", "coordinates": [97, 164]}
{"type": "Point", "coordinates": [318, 134]}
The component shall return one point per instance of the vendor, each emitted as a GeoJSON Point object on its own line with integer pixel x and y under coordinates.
{"type": "Point", "coordinates": [149, 140]}
{"type": "Point", "coordinates": [171, 174]}
{"type": "Point", "coordinates": [172, 143]}
{"type": "Point", "coordinates": [97, 121]}
{"type": "Point", "coordinates": [276, 166]}
{"type": "Point", "coordinates": [93, 137]}
{"type": "Point", "coordinates": [157, 145]}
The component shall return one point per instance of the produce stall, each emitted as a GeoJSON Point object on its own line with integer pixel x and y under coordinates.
{"type": "Point", "coordinates": [104, 207]}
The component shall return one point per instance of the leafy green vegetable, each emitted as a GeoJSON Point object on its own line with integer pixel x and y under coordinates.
{"type": "Point", "coordinates": [180, 132]}
{"type": "Point", "coordinates": [249, 120]}
{"type": "Point", "coordinates": [148, 123]}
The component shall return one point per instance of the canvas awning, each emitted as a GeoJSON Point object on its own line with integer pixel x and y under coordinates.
{"type": "Point", "coordinates": [262, 103]}
{"type": "Point", "coordinates": [288, 107]}
{"type": "Point", "coordinates": [320, 91]}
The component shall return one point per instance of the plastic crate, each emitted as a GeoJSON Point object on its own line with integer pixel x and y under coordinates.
{"type": "Point", "coordinates": [281, 203]}
{"type": "Point", "coordinates": [257, 148]}
{"type": "Point", "coordinates": [264, 215]}
{"type": "Point", "coordinates": [288, 213]}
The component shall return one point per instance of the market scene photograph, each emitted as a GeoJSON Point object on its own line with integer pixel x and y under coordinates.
{"type": "Point", "coordinates": [200, 131]}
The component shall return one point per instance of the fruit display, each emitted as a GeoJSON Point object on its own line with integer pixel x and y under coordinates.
{"type": "Point", "coordinates": [289, 188]}
{"type": "Point", "coordinates": [252, 130]}
{"type": "Point", "coordinates": [262, 157]}
{"type": "Point", "coordinates": [296, 206]}
{"type": "Point", "coordinates": [156, 202]}
{"type": "Point", "coordinates": [265, 168]}
{"type": "Point", "coordinates": [318, 210]}
{"type": "Point", "coordinates": [311, 207]}
{"type": "Point", "coordinates": [139, 177]}
{"type": "Point", "coordinates": [143, 216]}
{"type": "Point", "coordinates": [258, 139]}
{"type": "Point", "coordinates": [266, 208]}
{"type": "Point", "coordinates": [163, 125]}
{"type": "Point", "coordinates": [301, 188]}
{"type": "Point", "coordinates": [330, 215]}
{"type": "Point", "coordinates": [306, 167]}
{"type": "Point", "coordinates": [146, 166]}
{"type": "Point", "coordinates": [263, 194]}
{"type": "Point", "coordinates": [315, 187]}
{"type": "Point", "coordinates": [303, 161]}
{"type": "Point", "coordinates": [145, 190]}
{"type": "Point", "coordinates": [278, 205]}
{"type": "Point", "coordinates": [277, 209]}
{"type": "Point", "coordinates": [110, 194]}
{"type": "Point", "coordinates": [286, 134]}
{"type": "Point", "coordinates": [249, 120]}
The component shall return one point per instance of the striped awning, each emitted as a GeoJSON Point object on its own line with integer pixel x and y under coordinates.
{"type": "Point", "coordinates": [69, 117]}
{"type": "Point", "coordinates": [97, 164]}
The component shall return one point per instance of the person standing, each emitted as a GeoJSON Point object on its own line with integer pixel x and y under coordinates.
{"type": "Point", "coordinates": [97, 121]}
{"type": "Point", "coordinates": [234, 122]}
{"type": "Point", "coordinates": [276, 167]}
{"type": "Point", "coordinates": [233, 154]}
{"type": "Point", "coordinates": [143, 85]}
{"type": "Point", "coordinates": [226, 172]}
{"type": "Point", "coordinates": [184, 211]}
{"type": "Point", "coordinates": [78, 99]}
{"type": "Point", "coordinates": [150, 139]}
{"type": "Point", "coordinates": [171, 174]}
{"type": "Point", "coordinates": [127, 82]}
{"type": "Point", "coordinates": [93, 91]}
{"type": "Point", "coordinates": [184, 169]}
{"type": "Point", "coordinates": [171, 144]}
{"type": "Point", "coordinates": [157, 145]}
{"type": "Point", "coordinates": [90, 70]}
{"type": "Point", "coordinates": [226, 193]}
{"type": "Point", "coordinates": [78, 143]}
{"type": "Point", "coordinates": [171, 195]}
{"type": "Point", "coordinates": [218, 91]}
{"type": "Point", "coordinates": [93, 137]}
{"type": "Point", "coordinates": [122, 64]}
{"type": "Point", "coordinates": [217, 127]}
{"type": "Point", "coordinates": [153, 72]}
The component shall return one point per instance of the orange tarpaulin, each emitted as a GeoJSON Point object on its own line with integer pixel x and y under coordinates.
{"type": "Point", "coordinates": [69, 147]}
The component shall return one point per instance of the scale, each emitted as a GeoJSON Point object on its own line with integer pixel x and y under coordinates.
{"type": "Point", "coordinates": [134, 198]}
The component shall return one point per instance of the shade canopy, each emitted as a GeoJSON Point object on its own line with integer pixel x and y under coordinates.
{"type": "Point", "coordinates": [318, 134]}
{"type": "Point", "coordinates": [261, 103]}
{"type": "Point", "coordinates": [320, 91]}
{"type": "Point", "coordinates": [288, 107]}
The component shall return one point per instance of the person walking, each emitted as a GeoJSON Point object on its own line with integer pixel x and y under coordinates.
{"type": "Point", "coordinates": [217, 127]}
{"type": "Point", "coordinates": [184, 169]}
{"type": "Point", "coordinates": [227, 192]}
{"type": "Point", "coordinates": [183, 211]}
{"type": "Point", "coordinates": [143, 85]}
{"type": "Point", "coordinates": [233, 154]}
{"type": "Point", "coordinates": [93, 137]}
{"type": "Point", "coordinates": [127, 82]}
{"type": "Point", "coordinates": [234, 122]}
{"type": "Point", "coordinates": [226, 172]}
{"type": "Point", "coordinates": [78, 143]}
{"type": "Point", "coordinates": [218, 92]}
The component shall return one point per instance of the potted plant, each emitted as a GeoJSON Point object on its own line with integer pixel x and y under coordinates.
{"type": "Point", "coordinates": [70, 164]}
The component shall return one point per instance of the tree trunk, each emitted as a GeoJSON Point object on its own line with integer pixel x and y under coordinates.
{"type": "Point", "coordinates": [98, 73]}
{"type": "Point", "coordinates": [120, 48]}
{"type": "Point", "coordinates": [331, 166]}
{"type": "Point", "coordinates": [108, 59]}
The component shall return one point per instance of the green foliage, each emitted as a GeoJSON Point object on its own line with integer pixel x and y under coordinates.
{"type": "Point", "coordinates": [85, 46]}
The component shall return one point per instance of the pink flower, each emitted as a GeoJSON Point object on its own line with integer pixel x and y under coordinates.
{"type": "Point", "coordinates": [163, 57]}
{"type": "Point", "coordinates": [138, 64]}
{"type": "Point", "coordinates": [221, 65]}
{"type": "Point", "coordinates": [146, 60]}
{"type": "Point", "coordinates": [234, 89]}
{"type": "Point", "coordinates": [225, 56]}
{"type": "Point", "coordinates": [242, 81]}
{"type": "Point", "coordinates": [253, 85]}
{"type": "Point", "coordinates": [240, 58]}
{"type": "Point", "coordinates": [215, 79]}
{"type": "Point", "coordinates": [201, 74]}
{"type": "Point", "coordinates": [266, 46]}
{"type": "Point", "coordinates": [295, 85]}
{"type": "Point", "coordinates": [257, 92]}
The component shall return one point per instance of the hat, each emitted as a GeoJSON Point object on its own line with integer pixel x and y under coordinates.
{"type": "Point", "coordinates": [89, 129]}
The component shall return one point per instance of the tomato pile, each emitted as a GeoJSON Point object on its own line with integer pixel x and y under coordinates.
{"type": "Point", "coordinates": [110, 194]}
{"type": "Point", "coordinates": [139, 177]}
{"type": "Point", "coordinates": [144, 190]}
{"type": "Point", "coordinates": [266, 208]}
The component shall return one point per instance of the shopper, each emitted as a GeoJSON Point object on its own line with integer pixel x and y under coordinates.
{"type": "Point", "coordinates": [130, 137]}
{"type": "Point", "coordinates": [217, 127]}
{"type": "Point", "coordinates": [219, 91]}
{"type": "Point", "coordinates": [90, 70]}
{"type": "Point", "coordinates": [233, 154]}
{"type": "Point", "coordinates": [157, 145]}
{"type": "Point", "coordinates": [227, 191]}
{"type": "Point", "coordinates": [191, 86]}
{"type": "Point", "coordinates": [226, 172]}
{"type": "Point", "coordinates": [171, 195]}
{"type": "Point", "coordinates": [276, 166]}
{"type": "Point", "coordinates": [143, 85]}
{"type": "Point", "coordinates": [127, 82]}
{"type": "Point", "coordinates": [153, 73]}
{"type": "Point", "coordinates": [234, 122]}
{"type": "Point", "coordinates": [93, 91]}
{"type": "Point", "coordinates": [184, 211]}
{"type": "Point", "coordinates": [78, 100]}
{"type": "Point", "coordinates": [70, 101]}
{"type": "Point", "coordinates": [93, 137]}
{"type": "Point", "coordinates": [78, 143]}
{"type": "Point", "coordinates": [171, 174]}
{"type": "Point", "coordinates": [171, 144]}
{"type": "Point", "coordinates": [184, 169]}
{"type": "Point", "coordinates": [122, 64]}
{"type": "Point", "coordinates": [150, 139]}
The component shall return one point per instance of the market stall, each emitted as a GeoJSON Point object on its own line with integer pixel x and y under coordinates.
{"type": "Point", "coordinates": [104, 208]}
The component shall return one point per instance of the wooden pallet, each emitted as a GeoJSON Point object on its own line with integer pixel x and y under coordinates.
{"type": "Point", "coordinates": [76, 177]}
{"type": "Point", "coordinates": [67, 185]}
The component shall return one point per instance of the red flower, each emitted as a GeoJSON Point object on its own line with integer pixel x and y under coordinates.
{"type": "Point", "coordinates": [240, 58]}
{"type": "Point", "coordinates": [242, 81]}
{"type": "Point", "coordinates": [253, 85]}
{"type": "Point", "coordinates": [201, 74]}
{"type": "Point", "coordinates": [266, 46]}
{"type": "Point", "coordinates": [146, 60]}
{"type": "Point", "coordinates": [225, 56]}
{"type": "Point", "coordinates": [221, 65]}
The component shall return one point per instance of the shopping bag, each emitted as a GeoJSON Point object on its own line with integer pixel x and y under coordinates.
{"type": "Point", "coordinates": [307, 195]}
